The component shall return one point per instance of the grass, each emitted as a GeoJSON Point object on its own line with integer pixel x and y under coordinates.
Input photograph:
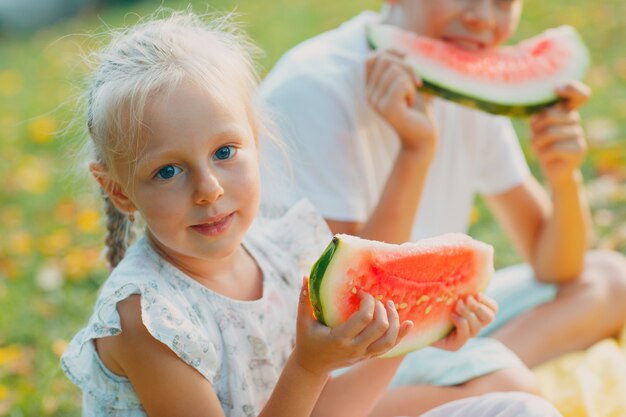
{"type": "Point", "coordinates": [50, 268]}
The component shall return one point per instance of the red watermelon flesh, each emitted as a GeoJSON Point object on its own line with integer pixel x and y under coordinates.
{"type": "Point", "coordinates": [424, 280]}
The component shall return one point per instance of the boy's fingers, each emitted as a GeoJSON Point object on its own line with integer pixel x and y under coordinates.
{"type": "Point", "coordinates": [574, 93]}
{"type": "Point", "coordinates": [554, 117]}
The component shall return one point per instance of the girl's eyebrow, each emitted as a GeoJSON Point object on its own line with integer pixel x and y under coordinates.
{"type": "Point", "coordinates": [171, 152]}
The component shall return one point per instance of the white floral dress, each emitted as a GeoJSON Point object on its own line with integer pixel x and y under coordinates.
{"type": "Point", "coordinates": [239, 346]}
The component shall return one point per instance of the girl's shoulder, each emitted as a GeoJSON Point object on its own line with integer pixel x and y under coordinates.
{"type": "Point", "coordinates": [166, 312]}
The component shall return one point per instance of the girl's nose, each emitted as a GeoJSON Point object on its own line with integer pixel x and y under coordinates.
{"type": "Point", "coordinates": [207, 188]}
{"type": "Point", "coordinates": [479, 15]}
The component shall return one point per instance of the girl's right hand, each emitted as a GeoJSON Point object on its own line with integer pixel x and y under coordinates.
{"type": "Point", "coordinates": [371, 331]}
{"type": "Point", "coordinates": [391, 87]}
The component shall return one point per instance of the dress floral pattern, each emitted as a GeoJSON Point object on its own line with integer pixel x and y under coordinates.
{"type": "Point", "coordinates": [239, 346]}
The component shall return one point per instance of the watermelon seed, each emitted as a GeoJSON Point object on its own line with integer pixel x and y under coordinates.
{"type": "Point", "coordinates": [422, 299]}
{"type": "Point", "coordinates": [379, 297]}
{"type": "Point", "coordinates": [449, 301]}
{"type": "Point", "coordinates": [353, 290]}
{"type": "Point", "coordinates": [439, 299]}
{"type": "Point", "coordinates": [402, 306]}
{"type": "Point", "coordinates": [428, 309]}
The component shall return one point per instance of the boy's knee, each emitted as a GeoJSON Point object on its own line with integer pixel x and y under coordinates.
{"type": "Point", "coordinates": [506, 380]}
{"type": "Point", "coordinates": [607, 273]}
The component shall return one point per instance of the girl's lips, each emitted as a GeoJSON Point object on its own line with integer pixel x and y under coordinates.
{"type": "Point", "coordinates": [214, 228]}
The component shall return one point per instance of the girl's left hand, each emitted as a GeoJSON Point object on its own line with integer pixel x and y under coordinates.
{"type": "Point", "coordinates": [558, 139]}
{"type": "Point", "coordinates": [469, 318]}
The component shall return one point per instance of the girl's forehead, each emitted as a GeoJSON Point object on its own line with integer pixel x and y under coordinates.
{"type": "Point", "coordinates": [189, 111]}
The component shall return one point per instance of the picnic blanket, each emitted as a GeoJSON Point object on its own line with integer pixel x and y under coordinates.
{"type": "Point", "coordinates": [590, 383]}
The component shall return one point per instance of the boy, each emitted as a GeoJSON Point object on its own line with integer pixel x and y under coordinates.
{"type": "Point", "coordinates": [381, 161]}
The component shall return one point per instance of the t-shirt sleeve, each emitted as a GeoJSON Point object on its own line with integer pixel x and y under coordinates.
{"type": "Point", "coordinates": [314, 119]}
{"type": "Point", "coordinates": [501, 162]}
{"type": "Point", "coordinates": [165, 321]}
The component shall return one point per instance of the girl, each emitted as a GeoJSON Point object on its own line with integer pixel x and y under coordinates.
{"type": "Point", "coordinates": [196, 318]}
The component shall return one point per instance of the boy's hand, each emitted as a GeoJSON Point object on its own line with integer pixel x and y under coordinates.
{"type": "Point", "coordinates": [557, 138]}
{"type": "Point", "coordinates": [371, 331]}
{"type": "Point", "coordinates": [391, 87]}
{"type": "Point", "coordinates": [469, 318]}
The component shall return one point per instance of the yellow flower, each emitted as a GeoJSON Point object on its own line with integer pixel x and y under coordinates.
{"type": "Point", "coordinates": [474, 216]}
{"type": "Point", "coordinates": [59, 346]}
{"type": "Point", "coordinates": [78, 263]}
{"type": "Point", "coordinates": [43, 129]}
{"type": "Point", "coordinates": [11, 216]}
{"type": "Point", "coordinates": [89, 220]}
{"type": "Point", "coordinates": [9, 269]}
{"type": "Point", "coordinates": [11, 83]}
{"type": "Point", "coordinates": [9, 355]}
{"type": "Point", "coordinates": [65, 211]}
{"type": "Point", "coordinates": [56, 242]}
{"type": "Point", "coordinates": [20, 243]}
{"type": "Point", "coordinates": [33, 175]}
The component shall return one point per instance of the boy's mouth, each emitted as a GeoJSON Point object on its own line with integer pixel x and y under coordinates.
{"type": "Point", "coordinates": [466, 43]}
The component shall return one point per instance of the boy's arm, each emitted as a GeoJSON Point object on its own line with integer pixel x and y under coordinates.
{"type": "Point", "coordinates": [390, 84]}
{"type": "Point", "coordinates": [552, 231]}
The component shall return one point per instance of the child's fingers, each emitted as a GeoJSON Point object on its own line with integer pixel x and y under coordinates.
{"type": "Point", "coordinates": [405, 328]}
{"type": "Point", "coordinates": [554, 117]}
{"type": "Point", "coordinates": [464, 310]}
{"type": "Point", "coordinates": [389, 338]}
{"type": "Point", "coordinates": [484, 314]}
{"type": "Point", "coordinates": [556, 135]}
{"type": "Point", "coordinates": [376, 328]}
{"type": "Point", "coordinates": [574, 93]}
{"type": "Point", "coordinates": [304, 304]}
{"type": "Point", "coordinates": [357, 322]}
{"type": "Point", "coordinates": [393, 85]}
{"type": "Point", "coordinates": [488, 302]}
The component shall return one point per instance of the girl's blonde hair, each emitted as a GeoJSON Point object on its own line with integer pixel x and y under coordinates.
{"type": "Point", "coordinates": [152, 58]}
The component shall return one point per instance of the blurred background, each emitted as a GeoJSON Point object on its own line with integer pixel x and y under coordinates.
{"type": "Point", "coordinates": [50, 222]}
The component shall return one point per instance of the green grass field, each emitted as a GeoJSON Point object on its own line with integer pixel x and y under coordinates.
{"type": "Point", "coordinates": [50, 224]}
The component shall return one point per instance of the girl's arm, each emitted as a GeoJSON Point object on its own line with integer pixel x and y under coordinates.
{"type": "Point", "coordinates": [167, 386]}
{"type": "Point", "coordinates": [391, 91]}
{"type": "Point", "coordinates": [368, 381]}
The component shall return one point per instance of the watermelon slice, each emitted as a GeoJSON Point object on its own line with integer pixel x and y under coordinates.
{"type": "Point", "coordinates": [515, 81]}
{"type": "Point", "coordinates": [424, 279]}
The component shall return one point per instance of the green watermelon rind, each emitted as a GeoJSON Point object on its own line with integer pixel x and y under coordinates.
{"type": "Point", "coordinates": [317, 276]}
{"type": "Point", "coordinates": [514, 110]}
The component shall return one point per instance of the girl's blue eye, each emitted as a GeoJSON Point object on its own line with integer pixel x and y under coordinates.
{"type": "Point", "coordinates": [167, 172]}
{"type": "Point", "coordinates": [225, 152]}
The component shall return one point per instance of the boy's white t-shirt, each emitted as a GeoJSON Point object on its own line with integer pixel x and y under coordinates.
{"type": "Point", "coordinates": [340, 151]}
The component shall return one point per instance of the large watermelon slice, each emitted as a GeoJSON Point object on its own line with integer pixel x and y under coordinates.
{"type": "Point", "coordinates": [424, 279]}
{"type": "Point", "coordinates": [511, 80]}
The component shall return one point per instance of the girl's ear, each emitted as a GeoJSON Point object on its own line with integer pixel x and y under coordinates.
{"type": "Point", "coordinates": [113, 188]}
